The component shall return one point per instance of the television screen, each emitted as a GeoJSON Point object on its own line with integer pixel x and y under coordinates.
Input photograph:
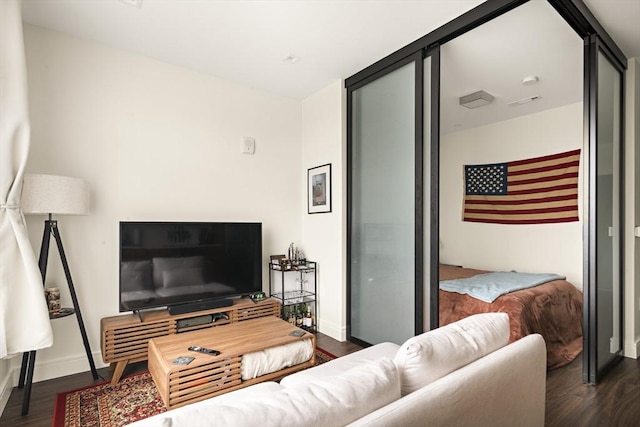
{"type": "Point", "coordinates": [170, 263]}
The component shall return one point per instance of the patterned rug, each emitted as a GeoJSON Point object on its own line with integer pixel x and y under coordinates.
{"type": "Point", "coordinates": [135, 397]}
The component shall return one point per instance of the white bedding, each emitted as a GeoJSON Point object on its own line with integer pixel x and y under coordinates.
{"type": "Point", "coordinates": [489, 286]}
{"type": "Point", "coordinates": [275, 358]}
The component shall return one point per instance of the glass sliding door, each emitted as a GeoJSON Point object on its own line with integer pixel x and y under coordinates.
{"type": "Point", "coordinates": [393, 184]}
{"type": "Point", "coordinates": [382, 290]}
{"type": "Point", "coordinates": [604, 297]}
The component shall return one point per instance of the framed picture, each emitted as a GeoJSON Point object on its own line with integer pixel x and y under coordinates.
{"type": "Point", "coordinates": [319, 189]}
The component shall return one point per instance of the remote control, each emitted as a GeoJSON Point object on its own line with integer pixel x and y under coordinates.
{"type": "Point", "coordinates": [204, 350]}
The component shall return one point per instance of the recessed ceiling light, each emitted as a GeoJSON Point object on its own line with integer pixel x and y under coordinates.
{"type": "Point", "coordinates": [292, 59]}
{"type": "Point", "coordinates": [135, 3]}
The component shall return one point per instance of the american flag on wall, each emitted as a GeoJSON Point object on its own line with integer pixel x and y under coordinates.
{"type": "Point", "coordinates": [540, 190]}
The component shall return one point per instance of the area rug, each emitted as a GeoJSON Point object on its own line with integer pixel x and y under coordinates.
{"type": "Point", "coordinates": [135, 397]}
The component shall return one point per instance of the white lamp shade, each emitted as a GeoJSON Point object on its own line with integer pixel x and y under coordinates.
{"type": "Point", "coordinates": [52, 194]}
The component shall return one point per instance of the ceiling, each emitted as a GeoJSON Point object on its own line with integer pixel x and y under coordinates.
{"type": "Point", "coordinates": [498, 55]}
{"type": "Point", "coordinates": [248, 41]}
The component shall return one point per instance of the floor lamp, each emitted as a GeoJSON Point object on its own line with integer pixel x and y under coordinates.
{"type": "Point", "coordinates": [49, 195]}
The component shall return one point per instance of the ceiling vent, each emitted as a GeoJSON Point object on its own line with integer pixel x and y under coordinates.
{"type": "Point", "coordinates": [523, 101]}
{"type": "Point", "coordinates": [476, 99]}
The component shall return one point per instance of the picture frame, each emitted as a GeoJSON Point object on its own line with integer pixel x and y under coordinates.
{"type": "Point", "coordinates": [319, 189]}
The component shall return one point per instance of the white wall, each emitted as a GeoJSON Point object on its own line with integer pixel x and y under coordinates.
{"type": "Point", "coordinates": [324, 234]}
{"type": "Point", "coordinates": [555, 248]}
{"type": "Point", "coordinates": [154, 142]}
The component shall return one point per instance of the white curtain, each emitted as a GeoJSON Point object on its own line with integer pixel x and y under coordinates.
{"type": "Point", "coordinates": [24, 318]}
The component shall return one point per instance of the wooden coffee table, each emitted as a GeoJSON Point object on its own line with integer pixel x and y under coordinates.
{"type": "Point", "coordinates": [207, 376]}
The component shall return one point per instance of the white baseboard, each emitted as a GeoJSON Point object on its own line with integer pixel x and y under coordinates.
{"type": "Point", "coordinates": [5, 391]}
{"type": "Point", "coordinates": [50, 369]}
{"type": "Point", "coordinates": [632, 350]}
{"type": "Point", "coordinates": [336, 332]}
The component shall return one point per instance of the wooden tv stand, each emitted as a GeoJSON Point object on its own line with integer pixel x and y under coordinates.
{"type": "Point", "coordinates": [125, 338]}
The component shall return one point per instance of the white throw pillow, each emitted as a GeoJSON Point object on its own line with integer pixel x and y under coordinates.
{"type": "Point", "coordinates": [333, 401]}
{"type": "Point", "coordinates": [434, 354]}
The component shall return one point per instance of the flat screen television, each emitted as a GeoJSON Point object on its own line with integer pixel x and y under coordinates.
{"type": "Point", "coordinates": [177, 264]}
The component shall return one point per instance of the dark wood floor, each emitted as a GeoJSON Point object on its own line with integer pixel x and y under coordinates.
{"type": "Point", "coordinates": [614, 402]}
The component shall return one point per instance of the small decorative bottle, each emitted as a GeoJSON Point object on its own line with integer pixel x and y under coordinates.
{"type": "Point", "coordinates": [299, 315]}
{"type": "Point", "coordinates": [307, 318]}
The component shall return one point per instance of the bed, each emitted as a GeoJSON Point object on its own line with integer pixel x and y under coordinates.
{"type": "Point", "coordinates": [552, 309]}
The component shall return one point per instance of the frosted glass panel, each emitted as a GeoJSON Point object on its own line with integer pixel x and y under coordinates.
{"type": "Point", "coordinates": [383, 209]}
{"type": "Point", "coordinates": [608, 213]}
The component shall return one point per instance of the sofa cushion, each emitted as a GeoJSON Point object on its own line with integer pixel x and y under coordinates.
{"type": "Point", "coordinates": [201, 410]}
{"type": "Point", "coordinates": [333, 401]}
{"type": "Point", "coordinates": [341, 364]}
{"type": "Point", "coordinates": [432, 355]}
{"type": "Point", "coordinates": [504, 388]}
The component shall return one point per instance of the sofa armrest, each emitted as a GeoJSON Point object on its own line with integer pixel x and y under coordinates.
{"type": "Point", "coordinates": [504, 388]}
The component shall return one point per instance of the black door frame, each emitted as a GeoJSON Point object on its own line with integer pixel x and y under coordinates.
{"type": "Point", "coordinates": [575, 13]}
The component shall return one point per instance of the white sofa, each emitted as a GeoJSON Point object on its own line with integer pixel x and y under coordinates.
{"type": "Point", "coordinates": [463, 374]}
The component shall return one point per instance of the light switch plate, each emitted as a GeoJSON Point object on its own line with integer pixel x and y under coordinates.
{"type": "Point", "coordinates": [248, 145]}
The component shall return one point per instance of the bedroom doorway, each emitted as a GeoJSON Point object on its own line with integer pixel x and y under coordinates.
{"type": "Point", "coordinates": [602, 326]}
{"type": "Point", "coordinates": [531, 108]}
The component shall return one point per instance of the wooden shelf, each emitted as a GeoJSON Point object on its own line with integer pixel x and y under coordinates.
{"type": "Point", "coordinates": [63, 312]}
{"type": "Point", "coordinates": [125, 338]}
